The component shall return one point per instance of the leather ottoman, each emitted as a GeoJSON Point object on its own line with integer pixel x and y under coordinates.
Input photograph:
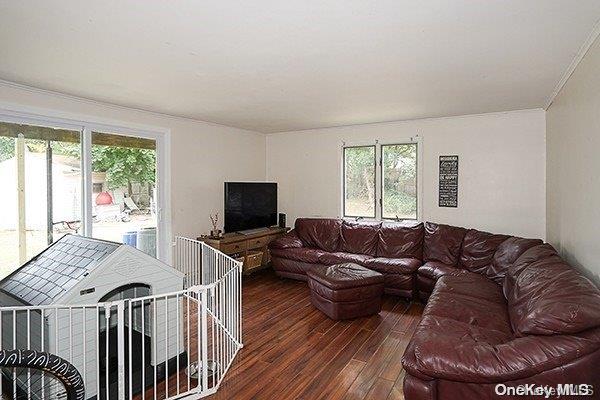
{"type": "Point", "coordinates": [345, 291]}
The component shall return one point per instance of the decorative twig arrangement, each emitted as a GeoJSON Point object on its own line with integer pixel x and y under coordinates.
{"type": "Point", "coordinates": [214, 219]}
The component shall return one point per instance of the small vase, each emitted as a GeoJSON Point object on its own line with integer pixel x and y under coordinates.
{"type": "Point", "coordinates": [216, 233]}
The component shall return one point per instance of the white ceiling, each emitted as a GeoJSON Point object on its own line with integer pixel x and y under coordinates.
{"type": "Point", "coordinates": [276, 65]}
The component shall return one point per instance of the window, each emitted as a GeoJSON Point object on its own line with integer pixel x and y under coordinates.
{"type": "Point", "coordinates": [399, 181]}
{"type": "Point", "coordinates": [381, 181]}
{"type": "Point", "coordinates": [359, 181]}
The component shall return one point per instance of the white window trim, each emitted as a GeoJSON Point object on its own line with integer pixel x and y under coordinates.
{"type": "Point", "coordinates": [378, 173]}
{"type": "Point", "coordinates": [376, 183]}
{"type": "Point", "coordinates": [86, 124]}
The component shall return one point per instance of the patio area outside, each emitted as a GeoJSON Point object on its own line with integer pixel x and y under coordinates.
{"type": "Point", "coordinates": [37, 239]}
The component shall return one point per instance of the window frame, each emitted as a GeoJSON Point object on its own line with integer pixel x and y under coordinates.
{"type": "Point", "coordinates": [86, 125]}
{"type": "Point", "coordinates": [379, 180]}
{"type": "Point", "coordinates": [382, 180]}
{"type": "Point", "coordinates": [374, 181]}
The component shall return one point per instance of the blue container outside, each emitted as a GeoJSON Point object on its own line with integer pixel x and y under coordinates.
{"type": "Point", "coordinates": [146, 241]}
{"type": "Point", "coordinates": [130, 238]}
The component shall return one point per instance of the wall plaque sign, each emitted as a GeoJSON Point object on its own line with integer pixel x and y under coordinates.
{"type": "Point", "coordinates": [448, 189]}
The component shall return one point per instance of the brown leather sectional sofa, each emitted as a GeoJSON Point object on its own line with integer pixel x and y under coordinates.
{"type": "Point", "coordinates": [500, 309]}
{"type": "Point", "coordinates": [392, 249]}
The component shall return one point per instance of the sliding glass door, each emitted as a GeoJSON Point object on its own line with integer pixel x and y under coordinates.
{"type": "Point", "coordinates": [124, 190]}
{"type": "Point", "coordinates": [47, 192]}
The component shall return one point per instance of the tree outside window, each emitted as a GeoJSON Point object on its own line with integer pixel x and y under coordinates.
{"type": "Point", "coordinates": [359, 181]}
{"type": "Point", "coordinates": [399, 184]}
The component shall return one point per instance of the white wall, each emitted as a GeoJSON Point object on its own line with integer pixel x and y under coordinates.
{"type": "Point", "coordinates": [501, 168]}
{"type": "Point", "coordinates": [203, 155]}
{"type": "Point", "coordinates": [573, 166]}
{"type": "Point", "coordinates": [501, 178]}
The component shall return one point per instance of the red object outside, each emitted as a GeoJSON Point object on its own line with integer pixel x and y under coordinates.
{"type": "Point", "coordinates": [103, 199]}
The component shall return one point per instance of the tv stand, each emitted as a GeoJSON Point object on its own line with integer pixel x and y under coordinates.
{"type": "Point", "coordinates": [238, 244]}
{"type": "Point", "coordinates": [253, 231]}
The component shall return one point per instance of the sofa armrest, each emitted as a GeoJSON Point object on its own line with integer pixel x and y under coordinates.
{"type": "Point", "coordinates": [480, 362]}
{"type": "Point", "coordinates": [288, 241]}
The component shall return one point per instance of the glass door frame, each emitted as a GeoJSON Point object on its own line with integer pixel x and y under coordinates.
{"type": "Point", "coordinates": [86, 125]}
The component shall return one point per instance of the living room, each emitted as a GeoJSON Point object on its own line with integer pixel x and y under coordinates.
{"type": "Point", "coordinates": [360, 199]}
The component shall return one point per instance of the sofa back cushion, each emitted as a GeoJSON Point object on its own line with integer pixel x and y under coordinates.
{"type": "Point", "coordinates": [551, 298]}
{"type": "Point", "coordinates": [507, 253]}
{"type": "Point", "coordinates": [536, 253]}
{"type": "Point", "coordinates": [397, 240]}
{"type": "Point", "coordinates": [360, 237]}
{"type": "Point", "coordinates": [442, 243]}
{"type": "Point", "coordinates": [320, 233]}
{"type": "Point", "coordinates": [478, 251]}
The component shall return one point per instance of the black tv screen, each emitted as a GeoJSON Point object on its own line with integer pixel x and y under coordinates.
{"type": "Point", "coordinates": [250, 205]}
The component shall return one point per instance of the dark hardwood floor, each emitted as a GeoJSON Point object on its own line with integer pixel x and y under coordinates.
{"type": "Point", "coordinates": [293, 351]}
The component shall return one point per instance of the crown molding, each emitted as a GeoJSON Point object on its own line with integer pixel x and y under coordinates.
{"type": "Point", "coordinates": [85, 100]}
{"type": "Point", "coordinates": [585, 47]}
{"type": "Point", "coordinates": [415, 120]}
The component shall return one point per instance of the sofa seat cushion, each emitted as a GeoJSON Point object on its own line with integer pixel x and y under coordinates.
{"type": "Point", "coordinates": [452, 299]}
{"type": "Point", "coordinates": [447, 349]}
{"type": "Point", "coordinates": [303, 254]}
{"type": "Point", "coordinates": [393, 265]}
{"type": "Point", "coordinates": [360, 237]}
{"type": "Point", "coordinates": [341, 257]}
{"type": "Point", "coordinates": [430, 351]}
{"type": "Point", "coordinates": [471, 284]}
{"type": "Point", "coordinates": [435, 270]}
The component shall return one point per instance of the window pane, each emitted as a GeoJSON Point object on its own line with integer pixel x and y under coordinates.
{"type": "Point", "coordinates": [399, 181]}
{"type": "Point", "coordinates": [359, 181]}
{"type": "Point", "coordinates": [123, 190]}
{"type": "Point", "coordinates": [47, 162]}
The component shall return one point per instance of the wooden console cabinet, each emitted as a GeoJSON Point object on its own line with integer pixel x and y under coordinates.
{"type": "Point", "coordinates": [235, 244]}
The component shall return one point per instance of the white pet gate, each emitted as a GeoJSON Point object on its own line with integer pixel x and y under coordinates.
{"type": "Point", "coordinates": [160, 346]}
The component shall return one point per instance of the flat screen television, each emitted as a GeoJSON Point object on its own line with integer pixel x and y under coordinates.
{"type": "Point", "coordinates": [250, 205]}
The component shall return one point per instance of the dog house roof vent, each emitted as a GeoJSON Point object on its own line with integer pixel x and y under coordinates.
{"type": "Point", "coordinates": [56, 270]}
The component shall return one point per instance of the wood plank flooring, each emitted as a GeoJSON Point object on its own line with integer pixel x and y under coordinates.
{"type": "Point", "coordinates": [293, 351]}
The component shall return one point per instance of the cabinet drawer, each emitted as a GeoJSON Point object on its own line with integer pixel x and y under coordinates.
{"type": "Point", "coordinates": [258, 242]}
{"type": "Point", "coordinates": [253, 260]}
{"type": "Point", "coordinates": [235, 247]}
